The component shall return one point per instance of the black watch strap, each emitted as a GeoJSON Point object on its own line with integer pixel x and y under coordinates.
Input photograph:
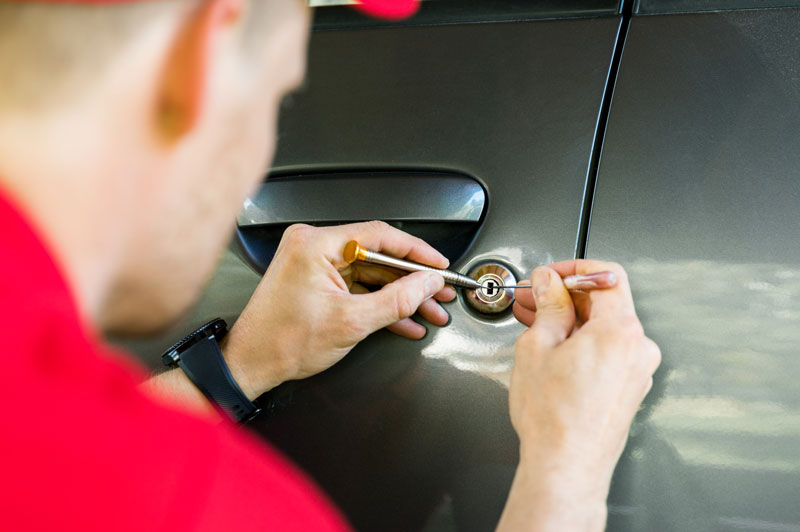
{"type": "Point", "coordinates": [200, 358]}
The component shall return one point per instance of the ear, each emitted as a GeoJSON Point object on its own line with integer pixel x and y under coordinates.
{"type": "Point", "coordinates": [181, 95]}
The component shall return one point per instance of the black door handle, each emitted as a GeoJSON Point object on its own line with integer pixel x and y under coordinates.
{"type": "Point", "coordinates": [445, 209]}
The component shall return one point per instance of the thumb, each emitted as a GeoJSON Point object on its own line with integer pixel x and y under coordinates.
{"type": "Point", "coordinates": [399, 299]}
{"type": "Point", "coordinates": [555, 314]}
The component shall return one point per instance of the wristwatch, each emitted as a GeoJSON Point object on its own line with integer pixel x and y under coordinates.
{"type": "Point", "coordinates": [200, 358]}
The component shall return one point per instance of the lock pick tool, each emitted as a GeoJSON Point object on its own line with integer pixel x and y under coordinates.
{"type": "Point", "coordinates": [354, 252]}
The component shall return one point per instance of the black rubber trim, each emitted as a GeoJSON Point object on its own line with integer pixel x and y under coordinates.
{"type": "Point", "coordinates": [440, 12]}
{"type": "Point", "coordinates": [626, 10]}
{"type": "Point", "coordinates": [669, 7]}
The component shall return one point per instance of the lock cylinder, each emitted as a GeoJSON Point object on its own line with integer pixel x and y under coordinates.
{"type": "Point", "coordinates": [490, 299]}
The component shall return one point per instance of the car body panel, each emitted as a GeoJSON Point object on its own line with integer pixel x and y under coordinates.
{"type": "Point", "coordinates": [416, 435]}
{"type": "Point", "coordinates": [697, 196]}
{"type": "Point", "coordinates": [407, 435]}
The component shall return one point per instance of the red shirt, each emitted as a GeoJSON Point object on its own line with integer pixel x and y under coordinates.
{"type": "Point", "coordinates": [82, 448]}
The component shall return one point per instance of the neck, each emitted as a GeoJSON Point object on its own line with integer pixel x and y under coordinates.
{"type": "Point", "coordinates": [85, 172]}
{"type": "Point", "coordinates": [56, 171]}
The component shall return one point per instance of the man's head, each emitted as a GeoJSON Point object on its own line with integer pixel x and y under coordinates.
{"type": "Point", "coordinates": [132, 130]}
{"type": "Point", "coordinates": [173, 104]}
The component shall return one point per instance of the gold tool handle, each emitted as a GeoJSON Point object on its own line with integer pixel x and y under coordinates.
{"type": "Point", "coordinates": [354, 252]}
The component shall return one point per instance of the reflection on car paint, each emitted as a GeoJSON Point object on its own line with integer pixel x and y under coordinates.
{"type": "Point", "coordinates": [476, 348]}
{"type": "Point", "coordinates": [724, 408]}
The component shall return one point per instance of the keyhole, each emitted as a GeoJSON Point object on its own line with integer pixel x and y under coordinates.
{"type": "Point", "coordinates": [491, 297]}
{"type": "Point", "coordinates": [491, 286]}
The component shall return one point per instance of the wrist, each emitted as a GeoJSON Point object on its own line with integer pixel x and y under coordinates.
{"type": "Point", "coordinates": [174, 388]}
{"type": "Point", "coordinates": [255, 373]}
{"type": "Point", "coordinates": [547, 501]}
{"type": "Point", "coordinates": [567, 474]}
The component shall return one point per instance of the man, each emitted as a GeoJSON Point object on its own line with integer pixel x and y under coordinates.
{"type": "Point", "coordinates": [130, 133]}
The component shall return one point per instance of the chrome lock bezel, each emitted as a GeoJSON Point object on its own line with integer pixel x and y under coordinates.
{"type": "Point", "coordinates": [489, 294]}
{"type": "Point", "coordinates": [486, 303]}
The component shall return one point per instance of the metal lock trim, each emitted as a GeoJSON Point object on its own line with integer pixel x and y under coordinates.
{"type": "Point", "coordinates": [482, 300]}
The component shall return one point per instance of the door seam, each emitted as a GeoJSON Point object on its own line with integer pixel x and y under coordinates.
{"type": "Point", "coordinates": [626, 12]}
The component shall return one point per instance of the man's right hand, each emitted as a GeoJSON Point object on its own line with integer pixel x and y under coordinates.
{"type": "Point", "coordinates": [310, 309]}
{"type": "Point", "coordinates": [573, 396]}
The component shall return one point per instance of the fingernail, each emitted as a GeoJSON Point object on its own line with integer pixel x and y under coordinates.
{"type": "Point", "coordinates": [449, 318]}
{"type": "Point", "coordinates": [541, 282]}
{"type": "Point", "coordinates": [433, 284]}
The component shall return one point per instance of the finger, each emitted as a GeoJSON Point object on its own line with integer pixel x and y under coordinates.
{"type": "Point", "coordinates": [377, 275]}
{"type": "Point", "coordinates": [575, 267]}
{"type": "Point", "coordinates": [433, 313]}
{"type": "Point", "coordinates": [523, 314]}
{"type": "Point", "coordinates": [408, 328]}
{"type": "Point", "coordinates": [583, 305]}
{"type": "Point", "coordinates": [382, 237]}
{"type": "Point", "coordinates": [381, 275]}
{"type": "Point", "coordinates": [647, 388]}
{"type": "Point", "coordinates": [369, 274]}
{"type": "Point", "coordinates": [356, 288]}
{"type": "Point", "coordinates": [611, 302]}
{"type": "Point", "coordinates": [524, 296]}
{"type": "Point", "coordinates": [555, 315]}
{"type": "Point", "coordinates": [651, 355]}
{"type": "Point", "coordinates": [446, 294]}
{"type": "Point", "coordinates": [397, 300]}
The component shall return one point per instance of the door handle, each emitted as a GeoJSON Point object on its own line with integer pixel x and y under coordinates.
{"type": "Point", "coordinates": [388, 196]}
{"type": "Point", "coordinates": [445, 209]}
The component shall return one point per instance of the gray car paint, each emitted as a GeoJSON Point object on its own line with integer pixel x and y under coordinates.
{"type": "Point", "coordinates": [404, 433]}
{"type": "Point", "coordinates": [408, 435]}
{"type": "Point", "coordinates": [697, 195]}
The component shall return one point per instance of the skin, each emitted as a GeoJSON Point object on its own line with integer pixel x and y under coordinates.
{"type": "Point", "coordinates": [581, 371]}
{"type": "Point", "coordinates": [163, 148]}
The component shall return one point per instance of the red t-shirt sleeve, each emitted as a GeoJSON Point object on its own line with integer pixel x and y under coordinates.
{"type": "Point", "coordinates": [82, 448]}
{"type": "Point", "coordinates": [267, 492]}
{"type": "Point", "coordinates": [99, 454]}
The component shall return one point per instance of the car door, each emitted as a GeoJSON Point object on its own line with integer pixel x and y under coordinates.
{"type": "Point", "coordinates": [697, 195]}
{"type": "Point", "coordinates": [507, 96]}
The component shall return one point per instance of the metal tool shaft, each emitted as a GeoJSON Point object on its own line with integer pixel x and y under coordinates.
{"type": "Point", "coordinates": [585, 281]}
{"type": "Point", "coordinates": [354, 252]}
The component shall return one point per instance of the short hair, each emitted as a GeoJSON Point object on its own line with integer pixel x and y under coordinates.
{"type": "Point", "coordinates": [51, 52]}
